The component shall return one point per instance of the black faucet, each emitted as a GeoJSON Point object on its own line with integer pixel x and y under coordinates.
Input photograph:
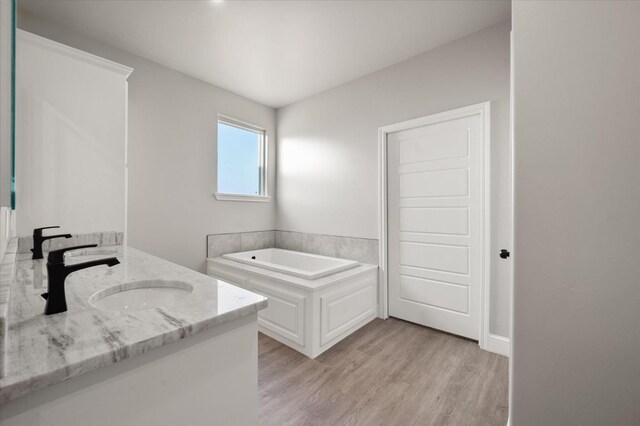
{"type": "Point", "coordinates": [58, 272]}
{"type": "Point", "coordinates": [38, 239]}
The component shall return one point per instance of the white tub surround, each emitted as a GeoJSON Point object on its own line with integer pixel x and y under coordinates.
{"type": "Point", "coordinates": [303, 265]}
{"type": "Point", "coordinates": [308, 315]}
{"type": "Point", "coordinates": [43, 351]}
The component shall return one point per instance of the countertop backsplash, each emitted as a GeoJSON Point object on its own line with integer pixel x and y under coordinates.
{"type": "Point", "coordinates": [107, 238]}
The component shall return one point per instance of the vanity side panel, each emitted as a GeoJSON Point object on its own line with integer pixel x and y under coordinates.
{"type": "Point", "coordinates": [207, 378]}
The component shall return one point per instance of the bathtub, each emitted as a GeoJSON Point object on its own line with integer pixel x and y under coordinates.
{"type": "Point", "coordinates": [303, 265]}
{"type": "Point", "coordinates": [314, 301]}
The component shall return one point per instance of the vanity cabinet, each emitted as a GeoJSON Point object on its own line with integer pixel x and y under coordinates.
{"type": "Point", "coordinates": [186, 361]}
{"type": "Point", "coordinates": [183, 361]}
{"type": "Point", "coordinates": [206, 379]}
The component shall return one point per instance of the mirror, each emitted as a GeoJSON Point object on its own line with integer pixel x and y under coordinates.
{"type": "Point", "coordinates": [70, 133]}
{"type": "Point", "coordinates": [7, 165]}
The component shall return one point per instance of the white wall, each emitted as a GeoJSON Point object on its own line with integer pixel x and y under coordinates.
{"type": "Point", "coordinates": [328, 146]}
{"type": "Point", "coordinates": [70, 160]}
{"type": "Point", "coordinates": [576, 336]}
{"type": "Point", "coordinates": [172, 154]}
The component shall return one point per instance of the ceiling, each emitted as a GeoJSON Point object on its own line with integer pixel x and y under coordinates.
{"type": "Point", "coordinates": [274, 52]}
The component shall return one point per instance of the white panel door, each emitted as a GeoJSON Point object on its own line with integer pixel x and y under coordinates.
{"type": "Point", "coordinates": [435, 224]}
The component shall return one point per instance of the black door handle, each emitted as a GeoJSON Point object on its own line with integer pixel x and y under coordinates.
{"type": "Point", "coordinates": [504, 253]}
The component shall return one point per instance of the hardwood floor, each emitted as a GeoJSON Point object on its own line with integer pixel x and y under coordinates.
{"type": "Point", "coordinates": [389, 372]}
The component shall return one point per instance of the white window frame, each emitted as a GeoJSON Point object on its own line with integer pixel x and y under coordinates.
{"type": "Point", "coordinates": [264, 173]}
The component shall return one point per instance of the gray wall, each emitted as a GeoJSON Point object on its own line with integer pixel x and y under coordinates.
{"type": "Point", "coordinates": [172, 154]}
{"type": "Point", "coordinates": [576, 335]}
{"type": "Point", "coordinates": [328, 144]}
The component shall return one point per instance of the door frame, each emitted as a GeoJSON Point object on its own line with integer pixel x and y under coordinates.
{"type": "Point", "coordinates": [484, 109]}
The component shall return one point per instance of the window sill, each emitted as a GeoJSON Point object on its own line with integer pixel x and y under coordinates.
{"type": "Point", "coordinates": [239, 197]}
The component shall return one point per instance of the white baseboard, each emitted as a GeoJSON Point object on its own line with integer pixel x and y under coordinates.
{"type": "Point", "coordinates": [498, 344]}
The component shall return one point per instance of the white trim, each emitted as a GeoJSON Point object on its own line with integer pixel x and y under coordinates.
{"type": "Point", "coordinates": [485, 306]}
{"type": "Point", "coordinates": [264, 155]}
{"type": "Point", "coordinates": [240, 123]}
{"type": "Point", "coordinates": [512, 207]}
{"type": "Point", "coordinates": [484, 109]}
{"type": "Point", "coordinates": [240, 197]}
{"type": "Point", "coordinates": [125, 234]}
{"type": "Point", "coordinates": [81, 55]}
{"type": "Point", "coordinates": [383, 302]}
{"type": "Point", "coordinates": [497, 344]}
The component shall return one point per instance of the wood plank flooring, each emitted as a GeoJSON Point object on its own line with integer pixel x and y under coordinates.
{"type": "Point", "coordinates": [388, 373]}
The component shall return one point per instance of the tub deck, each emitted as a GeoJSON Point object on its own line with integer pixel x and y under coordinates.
{"type": "Point", "coordinates": [302, 265]}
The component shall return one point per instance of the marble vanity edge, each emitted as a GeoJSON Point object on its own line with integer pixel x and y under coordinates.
{"type": "Point", "coordinates": [7, 270]}
{"type": "Point", "coordinates": [17, 389]}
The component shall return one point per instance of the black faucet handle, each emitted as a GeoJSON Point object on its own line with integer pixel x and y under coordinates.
{"type": "Point", "coordinates": [57, 256]}
{"type": "Point", "coordinates": [38, 231]}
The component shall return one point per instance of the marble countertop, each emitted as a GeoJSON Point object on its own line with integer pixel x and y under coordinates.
{"type": "Point", "coordinates": [42, 350]}
{"type": "Point", "coordinates": [7, 268]}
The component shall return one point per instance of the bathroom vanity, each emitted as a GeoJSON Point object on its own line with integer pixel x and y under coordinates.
{"type": "Point", "coordinates": [146, 342]}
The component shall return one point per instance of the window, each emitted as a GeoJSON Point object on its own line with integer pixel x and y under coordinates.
{"type": "Point", "coordinates": [241, 162]}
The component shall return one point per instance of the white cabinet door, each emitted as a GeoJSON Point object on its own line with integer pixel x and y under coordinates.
{"type": "Point", "coordinates": [435, 248]}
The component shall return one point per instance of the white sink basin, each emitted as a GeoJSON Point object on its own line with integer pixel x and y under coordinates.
{"type": "Point", "coordinates": [139, 295]}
